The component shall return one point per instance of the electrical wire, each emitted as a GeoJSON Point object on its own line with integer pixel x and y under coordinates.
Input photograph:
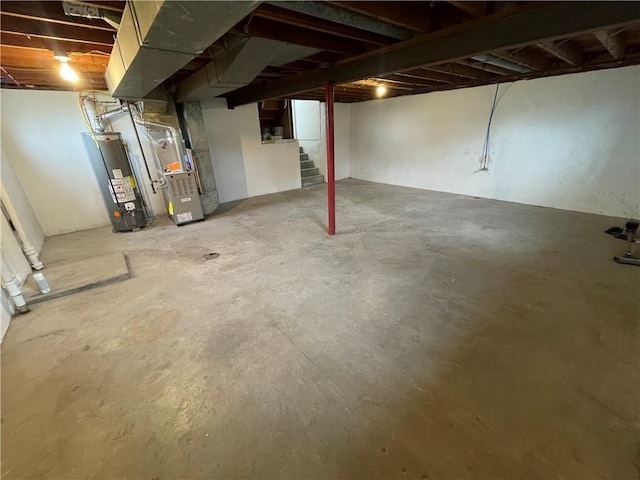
{"type": "Point", "coordinates": [83, 111]}
{"type": "Point", "coordinates": [486, 148]}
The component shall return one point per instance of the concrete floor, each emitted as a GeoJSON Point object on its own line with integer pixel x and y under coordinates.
{"type": "Point", "coordinates": [436, 336]}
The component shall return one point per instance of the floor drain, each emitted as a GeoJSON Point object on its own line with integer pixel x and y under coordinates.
{"type": "Point", "coordinates": [209, 256]}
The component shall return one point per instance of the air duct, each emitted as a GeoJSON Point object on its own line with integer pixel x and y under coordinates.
{"type": "Point", "coordinates": [237, 67]}
{"type": "Point", "coordinates": [502, 63]}
{"type": "Point", "coordinates": [158, 37]}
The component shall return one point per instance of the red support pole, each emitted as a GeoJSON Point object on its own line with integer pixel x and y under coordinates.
{"type": "Point", "coordinates": [331, 177]}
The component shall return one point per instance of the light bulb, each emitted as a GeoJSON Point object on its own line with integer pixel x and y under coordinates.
{"type": "Point", "coordinates": [381, 91]}
{"type": "Point", "coordinates": [68, 73]}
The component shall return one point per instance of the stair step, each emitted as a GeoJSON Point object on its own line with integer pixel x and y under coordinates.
{"type": "Point", "coordinates": [304, 157]}
{"type": "Point", "coordinates": [306, 164]}
{"type": "Point", "coordinates": [309, 172]}
{"type": "Point", "coordinates": [315, 180]}
{"type": "Point", "coordinates": [301, 149]}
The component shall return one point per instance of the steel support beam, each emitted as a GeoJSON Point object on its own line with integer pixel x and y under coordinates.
{"type": "Point", "coordinates": [540, 23]}
{"type": "Point", "coordinates": [331, 176]}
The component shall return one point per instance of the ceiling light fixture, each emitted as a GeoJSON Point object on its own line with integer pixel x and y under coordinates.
{"type": "Point", "coordinates": [66, 71]}
{"type": "Point", "coordinates": [381, 91]}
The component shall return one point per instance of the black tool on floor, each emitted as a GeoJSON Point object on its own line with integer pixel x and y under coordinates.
{"type": "Point", "coordinates": [631, 231]}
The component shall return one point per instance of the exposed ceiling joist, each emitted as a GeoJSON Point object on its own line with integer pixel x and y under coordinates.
{"type": "Point", "coordinates": [474, 9]}
{"type": "Point", "coordinates": [417, 18]}
{"type": "Point", "coordinates": [59, 22]}
{"type": "Point", "coordinates": [566, 51]}
{"type": "Point", "coordinates": [541, 23]}
{"type": "Point", "coordinates": [290, 17]}
{"type": "Point", "coordinates": [432, 75]}
{"type": "Point", "coordinates": [411, 79]}
{"type": "Point", "coordinates": [45, 42]}
{"type": "Point", "coordinates": [50, 30]}
{"type": "Point", "coordinates": [334, 13]}
{"type": "Point", "coordinates": [50, 12]}
{"type": "Point", "coordinates": [485, 66]}
{"type": "Point", "coordinates": [460, 71]}
{"type": "Point", "coordinates": [272, 30]}
{"type": "Point", "coordinates": [526, 58]}
{"type": "Point", "coordinates": [613, 42]}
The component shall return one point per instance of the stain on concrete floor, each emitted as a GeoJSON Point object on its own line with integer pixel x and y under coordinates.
{"type": "Point", "coordinates": [436, 336]}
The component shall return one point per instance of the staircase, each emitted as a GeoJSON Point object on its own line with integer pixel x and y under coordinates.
{"type": "Point", "coordinates": [308, 171]}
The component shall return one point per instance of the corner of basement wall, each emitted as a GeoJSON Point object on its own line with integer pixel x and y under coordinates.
{"type": "Point", "coordinates": [41, 133]}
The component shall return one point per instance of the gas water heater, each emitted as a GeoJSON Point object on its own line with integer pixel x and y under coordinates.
{"type": "Point", "coordinates": [117, 183]}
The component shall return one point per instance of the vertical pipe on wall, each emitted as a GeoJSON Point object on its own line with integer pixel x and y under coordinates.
{"type": "Point", "coordinates": [331, 177]}
{"type": "Point", "coordinates": [12, 216]}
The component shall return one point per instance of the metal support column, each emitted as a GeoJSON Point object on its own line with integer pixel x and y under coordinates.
{"type": "Point", "coordinates": [331, 177]}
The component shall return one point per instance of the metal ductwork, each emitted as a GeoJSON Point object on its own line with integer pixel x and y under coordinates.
{"type": "Point", "coordinates": [158, 37]}
{"type": "Point", "coordinates": [237, 67]}
{"type": "Point", "coordinates": [502, 63]}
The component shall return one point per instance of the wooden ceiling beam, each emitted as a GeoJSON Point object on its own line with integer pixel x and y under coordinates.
{"type": "Point", "coordinates": [526, 58]}
{"type": "Point", "coordinates": [290, 17]}
{"type": "Point", "coordinates": [55, 30]}
{"type": "Point", "coordinates": [461, 71]}
{"type": "Point", "coordinates": [328, 58]}
{"type": "Point", "coordinates": [537, 23]}
{"type": "Point", "coordinates": [298, 66]}
{"type": "Point", "coordinates": [52, 72]}
{"type": "Point", "coordinates": [47, 20]}
{"type": "Point", "coordinates": [485, 67]}
{"type": "Point", "coordinates": [333, 12]}
{"type": "Point", "coordinates": [41, 81]}
{"type": "Point", "coordinates": [388, 83]}
{"type": "Point", "coordinates": [20, 56]}
{"type": "Point", "coordinates": [473, 9]}
{"type": "Point", "coordinates": [613, 42]}
{"type": "Point", "coordinates": [567, 51]}
{"type": "Point", "coordinates": [49, 43]}
{"type": "Point", "coordinates": [435, 76]}
{"type": "Point", "coordinates": [50, 12]}
{"type": "Point", "coordinates": [599, 61]}
{"type": "Point", "coordinates": [272, 30]}
{"type": "Point", "coordinates": [411, 79]}
{"type": "Point", "coordinates": [413, 15]}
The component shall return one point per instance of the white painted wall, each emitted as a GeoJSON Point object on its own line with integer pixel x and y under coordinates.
{"type": "Point", "coordinates": [41, 135]}
{"type": "Point", "coordinates": [568, 142]}
{"type": "Point", "coordinates": [310, 132]}
{"type": "Point", "coordinates": [307, 128]}
{"type": "Point", "coordinates": [243, 166]}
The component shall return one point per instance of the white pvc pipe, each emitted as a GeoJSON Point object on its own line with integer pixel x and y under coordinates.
{"type": "Point", "coordinates": [27, 248]}
{"type": "Point", "coordinates": [11, 285]}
